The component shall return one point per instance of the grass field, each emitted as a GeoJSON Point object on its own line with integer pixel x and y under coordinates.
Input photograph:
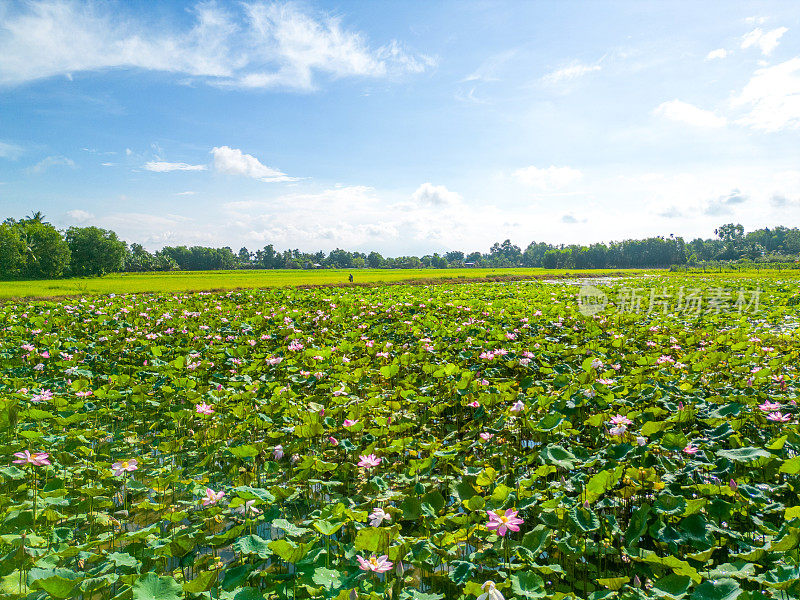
{"type": "Point", "coordinates": [121, 283]}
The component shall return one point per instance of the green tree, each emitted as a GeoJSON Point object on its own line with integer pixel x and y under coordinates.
{"type": "Point", "coordinates": [94, 251]}
{"type": "Point", "coordinates": [12, 251]}
{"type": "Point", "coordinates": [47, 254]}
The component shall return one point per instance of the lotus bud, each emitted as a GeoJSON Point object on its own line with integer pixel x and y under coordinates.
{"type": "Point", "coordinates": [399, 569]}
{"type": "Point", "coordinates": [733, 485]}
{"type": "Point", "coordinates": [353, 594]}
{"type": "Point", "coordinates": [636, 581]}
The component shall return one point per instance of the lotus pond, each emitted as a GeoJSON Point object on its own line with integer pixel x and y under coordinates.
{"type": "Point", "coordinates": [443, 442]}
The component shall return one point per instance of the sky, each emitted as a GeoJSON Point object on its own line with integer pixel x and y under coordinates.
{"type": "Point", "coordinates": [401, 127]}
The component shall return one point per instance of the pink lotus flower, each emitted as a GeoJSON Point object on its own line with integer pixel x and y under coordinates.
{"type": "Point", "coordinates": [277, 454]}
{"type": "Point", "coordinates": [779, 417]}
{"type": "Point", "coordinates": [517, 406]}
{"type": "Point", "coordinates": [125, 466]}
{"type": "Point", "coordinates": [378, 516]}
{"type": "Point", "coordinates": [474, 404]}
{"type": "Point", "coordinates": [490, 592]}
{"type": "Point", "coordinates": [204, 409]}
{"type": "Point", "coordinates": [486, 436]}
{"type": "Point", "coordinates": [38, 459]}
{"type": "Point", "coordinates": [769, 406]}
{"type": "Point", "coordinates": [690, 449]}
{"type": "Point", "coordinates": [349, 422]}
{"type": "Point", "coordinates": [621, 420]}
{"type": "Point", "coordinates": [369, 461]}
{"type": "Point", "coordinates": [377, 564]}
{"type": "Point", "coordinates": [212, 497]}
{"type": "Point", "coordinates": [504, 522]}
{"type": "Point", "coordinates": [247, 508]}
{"type": "Point", "coordinates": [618, 430]}
{"type": "Point", "coordinates": [333, 440]}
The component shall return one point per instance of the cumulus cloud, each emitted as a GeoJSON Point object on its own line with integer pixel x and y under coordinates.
{"type": "Point", "coordinates": [766, 41]}
{"type": "Point", "coordinates": [571, 72]}
{"type": "Point", "coordinates": [50, 161]}
{"type": "Point", "coordinates": [234, 162]}
{"type": "Point", "coordinates": [435, 195]}
{"type": "Point", "coordinates": [160, 166]}
{"type": "Point", "coordinates": [548, 179]}
{"type": "Point", "coordinates": [683, 112]}
{"type": "Point", "coordinates": [718, 53]}
{"type": "Point", "coordinates": [79, 216]}
{"type": "Point", "coordinates": [571, 219]}
{"type": "Point", "coordinates": [255, 44]}
{"type": "Point", "coordinates": [772, 98]}
{"type": "Point", "coordinates": [723, 204]}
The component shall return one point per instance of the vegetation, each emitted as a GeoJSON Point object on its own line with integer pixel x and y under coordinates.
{"type": "Point", "coordinates": [33, 249]}
{"type": "Point", "coordinates": [185, 281]}
{"type": "Point", "coordinates": [412, 442]}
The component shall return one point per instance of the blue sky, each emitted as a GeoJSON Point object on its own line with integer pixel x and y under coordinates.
{"type": "Point", "coordinates": [406, 127]}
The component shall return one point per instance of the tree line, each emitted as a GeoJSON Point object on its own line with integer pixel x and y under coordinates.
{"type": "Point", "coordinates": [32, 248]}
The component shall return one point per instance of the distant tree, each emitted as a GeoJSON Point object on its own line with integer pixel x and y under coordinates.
{"type": "Point", "coordinates": [375, 260]}
{"type": "Point", "coordinates": [94, 251]}
{"type": "Point", "coordinates": [12, 251]}
{"type": "Point", "coordinates": [550, 259]}
{"type": "Point", "coordinates": [454, 258]}
{"type": "Point", "coordinates": [732, 238]}
{"type": "Point", "coordinates": [47, 255]}
{"type": "Point", "coordinates": [244, 256]}
{"type": "Point", "coordinates": [438, 262]}
{"type": "Point", "coordinates": [474, 257]}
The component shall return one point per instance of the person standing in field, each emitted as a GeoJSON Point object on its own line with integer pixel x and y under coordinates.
{"type": "Point", "coordinates": [351, 278]}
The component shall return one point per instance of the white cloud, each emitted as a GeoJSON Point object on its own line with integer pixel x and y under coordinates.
{"type": "Point", "coordinates": [569, 73]}
{"type": "Point", "coordinates": [233, 162]}
{"type": "Point", "coordinates": [185, 193]}
{"type": "Point", "coordinates": [248, 45]}
{"type": "Point", "coordinates": [551, 178]}
{"type": "Point", "coordinates": [11, 151]}
{"type": "Point", "coordinates": [435, 195]}
{"type": "Point", "coordinates": [487, 71]}
{"type": "Point", "coordinates": [722, 205]}
{"type": "Point", "coordinates": [160, 166]}
{"type": "Point", "coordinates": [50, 161]}
{"type": "Point", "coordinates": [718, 53]}
{"type": "Point", "coordinates": [79, 216]}
{"type": "Point", "coordinates": [772, 98]}
{"type": "Point", "coordinates": [765, 41]}
{"type": "Point", "coordinates": [683, 112]}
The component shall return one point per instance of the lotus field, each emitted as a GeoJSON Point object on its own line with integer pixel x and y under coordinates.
{"type": "Point", "coordinates": [456, 441]}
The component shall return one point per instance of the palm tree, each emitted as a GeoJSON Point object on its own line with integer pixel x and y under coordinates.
{"type": "Point", "coordinates": [37, 217]}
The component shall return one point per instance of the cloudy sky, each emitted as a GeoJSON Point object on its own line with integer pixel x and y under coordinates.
{"type": "Point", "coordinates": [406, 127]}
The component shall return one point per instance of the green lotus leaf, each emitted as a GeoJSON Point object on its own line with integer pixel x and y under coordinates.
{"type": "Point", "coordinates": [154, 587]}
